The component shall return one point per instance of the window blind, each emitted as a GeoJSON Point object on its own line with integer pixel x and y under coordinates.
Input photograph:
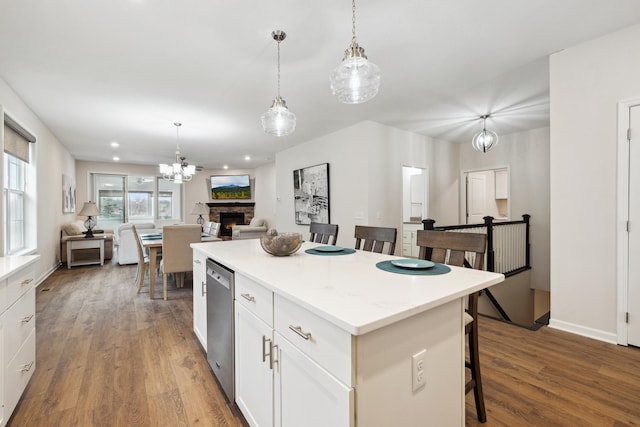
{"type": "Point", "coordinates": [17, 139]}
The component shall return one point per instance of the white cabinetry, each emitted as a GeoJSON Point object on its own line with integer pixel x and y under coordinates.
{"type": "Point", "coordinates": [200, 297]}
{"type": "Point", "coordinates": [287, 376]}
{"type": "Point", "coordinates": [502, 184]}
{"type": "Point", "coordinates": [409, 244]}
{"type": "Point", "coordinates": [17, 332]}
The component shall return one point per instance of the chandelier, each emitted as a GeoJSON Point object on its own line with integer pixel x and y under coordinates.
{"type": "Point", "coordinates": [484, 140]}
{"type": "Point", "coordinates": [278, 120]}
{"type": "Point", "coordinates": [180, 171]}
{"type": "Point", "coordinates": [356, 79]}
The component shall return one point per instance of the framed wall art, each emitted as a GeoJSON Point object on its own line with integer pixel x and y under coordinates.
{"type": "Point", "coordinates": [68, 194]}
{"type": "Point", "coordinates": [311, 194]}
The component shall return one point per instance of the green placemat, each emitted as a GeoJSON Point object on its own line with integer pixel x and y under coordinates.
{"type": "Point", "coordinates": [432, 271]}
{"type": "Point", "coordinates": [345, 251]}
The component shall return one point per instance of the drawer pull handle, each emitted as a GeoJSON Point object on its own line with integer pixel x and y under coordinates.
{"type": "Point", "coordinates": [196, 261]}
{"type": "Point", "coordinates": [26, 368]}
{"type": "Point", "coordinates": [248, 297]}
{"type": "Point", "coordinates": [27, 319]}
{"type": "Point", "coordinates": [26, 281]}
{"type": "Point", "coordinates": [204, 288]}
{"type": "Point", "coordinates": [298, 330]}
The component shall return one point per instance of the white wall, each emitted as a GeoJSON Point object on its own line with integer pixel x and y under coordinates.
{"type": "Point", "coordinates": [52, 161]}
{"type": "Point", "coordinates": [527, 156]}
{"type": "Point", "coordinates": [365, 176]}
{"type": "Point", "coordinates": [587, 82]}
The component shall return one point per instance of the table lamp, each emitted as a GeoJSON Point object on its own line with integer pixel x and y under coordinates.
{"type": "Point", "coordinates": [200, 209]}
{"type": "Point", "coordinates": [90, 210]}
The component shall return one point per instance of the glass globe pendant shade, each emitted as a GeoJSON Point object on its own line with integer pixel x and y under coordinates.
{"type": "Point", "coordinates": [484, 140]}
{"type": "Point", "coordinates": [278, 120]}
{"type": "Point", "coordinates": [356, 79]}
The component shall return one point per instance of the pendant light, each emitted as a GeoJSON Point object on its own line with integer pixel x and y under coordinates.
{"type": "Point", "coordinates": [278, 120]}
{"type": "Point", "coordinates": [180, 171]}
{"type": "Point", "coordinates": [484, 140]}
{"type": "Point", "coordinates": [356, 79]}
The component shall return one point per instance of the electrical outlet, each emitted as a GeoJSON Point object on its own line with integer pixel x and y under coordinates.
{"type": "Point", "coordinates": [418, 375]}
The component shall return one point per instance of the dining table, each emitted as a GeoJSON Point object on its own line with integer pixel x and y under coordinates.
{"type": "Point", "coordinates": [153, 243]}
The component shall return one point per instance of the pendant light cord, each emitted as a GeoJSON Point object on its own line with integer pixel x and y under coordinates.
{"type": "Point", "coordinates": [353, 23]}
{"type": "Point", "coordinates": [279, 68]}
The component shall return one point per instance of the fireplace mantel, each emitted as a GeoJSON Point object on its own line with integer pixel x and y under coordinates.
{"type": "Point", "coordinates": [231, 204]}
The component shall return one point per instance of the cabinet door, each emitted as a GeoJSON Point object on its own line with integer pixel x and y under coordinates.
{"type": "Point", "coordinates": [200, 297]}
{"type": "Point", "coordinates": [307, 395]}
{"type": "Point", "coordinates": [253, 373]}
{"type": "Point", "coordinates": [3, 420]}
{"type": "Point", "coordinates": [200, 307]}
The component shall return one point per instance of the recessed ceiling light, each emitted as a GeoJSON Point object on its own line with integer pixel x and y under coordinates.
{"type": "Point", "coordinates": [116, 158]}
{"type": "Point", "coordinates": [225, 167]}
{"type": "Point", "coordinates": [247, 158]}
{"type": "Point", "coordinates": [114, 144]}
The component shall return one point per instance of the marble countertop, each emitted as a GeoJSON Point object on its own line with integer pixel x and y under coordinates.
{"type": "Point", "coordinates": [347, 290]}
{"type": "Point", "coordinates": [9, 264]}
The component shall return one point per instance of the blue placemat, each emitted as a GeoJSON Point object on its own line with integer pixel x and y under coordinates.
{"type": "Point", "coordinates": [154, 236]}
{"type": "Point", "coordinates": [345, 251]}
{"type": "Point", "coordinates": [432, 271]}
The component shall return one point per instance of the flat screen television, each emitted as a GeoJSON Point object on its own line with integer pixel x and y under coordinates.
{"type": "Point", "coordinates": [229, 187]}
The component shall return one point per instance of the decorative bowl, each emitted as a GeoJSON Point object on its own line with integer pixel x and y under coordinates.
{"type": "Point", "coordinates": [281, 244]}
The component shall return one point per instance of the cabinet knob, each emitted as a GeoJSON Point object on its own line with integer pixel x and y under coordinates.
{"type": "Point", "coordinates": [26, 281]}
{"type": "Point", "coordinates": [27, 319]}
{"type": "Point", "coordinates": [26, 368]}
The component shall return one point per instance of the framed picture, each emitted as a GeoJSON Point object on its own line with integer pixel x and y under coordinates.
{"type": "Point", "coordinates": [68, 194]}
{"type": "Point", "coordinates": [311, 194]}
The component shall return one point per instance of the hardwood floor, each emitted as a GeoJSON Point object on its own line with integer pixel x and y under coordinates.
{"type": "Point", "coordinates": [107, 356]}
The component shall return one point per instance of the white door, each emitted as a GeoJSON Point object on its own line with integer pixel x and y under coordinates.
{"type": "Point", "coordinates": [633, 308]}
{"type": "Point", "coordinates": [476, 197]}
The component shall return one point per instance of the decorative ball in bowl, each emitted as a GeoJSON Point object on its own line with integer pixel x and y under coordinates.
{"type": "Point", "coordinates": [281, 244]}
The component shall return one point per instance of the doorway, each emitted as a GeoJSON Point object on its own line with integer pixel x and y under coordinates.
{"type": "Point", "coordinates": [486, 193]}
{"type": "Point", "coordinates": [629, 214]}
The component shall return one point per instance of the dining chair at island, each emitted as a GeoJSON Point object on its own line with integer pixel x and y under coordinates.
{"type": "Point", "coordinates": [452, 248]}
{"type": "Point", "coordinates": [323, 233]}
{"type": "Point", "coordinates": [373, 239]}
{"type": "Point", "coordinates": [176, 252]}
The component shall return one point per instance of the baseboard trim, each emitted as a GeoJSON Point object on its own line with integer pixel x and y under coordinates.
{"type": "Point", "coordinates": [584, 331]}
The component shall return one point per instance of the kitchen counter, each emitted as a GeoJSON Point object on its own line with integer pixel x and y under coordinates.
{"type": "Point", "coordinates": [348, 290]}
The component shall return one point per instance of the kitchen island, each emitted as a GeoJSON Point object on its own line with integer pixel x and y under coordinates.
{"type": "Point", "coordinates": [334, 340]}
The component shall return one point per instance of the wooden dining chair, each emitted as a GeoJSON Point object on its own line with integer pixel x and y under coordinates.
{"type": "Point", "coordinates": [373, 239]}
{"type": "Point", "coordinates": [323, 233]}
{"type": "Point", "coordinates": [177, 255]}
{"type": "Point", "coordinates": [452, 248]}
{"type": "Point", "coordinates": [143, 259]}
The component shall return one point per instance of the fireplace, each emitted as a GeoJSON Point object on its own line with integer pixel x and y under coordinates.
{"type": "Point", "coordinates": [228, 220]}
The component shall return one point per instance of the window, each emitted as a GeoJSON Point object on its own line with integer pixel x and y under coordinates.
{"type": "Point", "coordinates": [14, 202]}
{"type": "Point", "coordinates": [126, 198]}
{"type": "Point", "coordinates": [19, 207]}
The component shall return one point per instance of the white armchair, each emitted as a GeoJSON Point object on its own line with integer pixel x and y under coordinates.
{"type": "Point", "coordinates": [256, 228]}
{"type": "Point", "coordinates": [127, 247]}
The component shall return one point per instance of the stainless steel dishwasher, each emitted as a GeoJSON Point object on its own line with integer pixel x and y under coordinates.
{"type": "Point", "coordinates": [220, 343]}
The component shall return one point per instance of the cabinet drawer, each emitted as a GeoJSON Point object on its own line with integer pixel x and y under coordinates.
{"type": "Point", "coordinates": [255, 297]}
{"type": "Point", "coordinates": [199, 262]}
{"type": "Point", "coordinates": [19, 321]}
{"type": "Point", "coordinates": [325, 343]}
{"type": "Point", "coordinates": [18, 372]}
{"type": "Point", "coordinates": [19, 283]}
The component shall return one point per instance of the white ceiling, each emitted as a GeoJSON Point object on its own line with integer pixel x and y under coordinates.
{"type": "Point", "coordinates": [126, 70]}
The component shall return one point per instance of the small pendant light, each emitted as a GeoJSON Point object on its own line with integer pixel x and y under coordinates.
{"type": "Point", "coordinates": [356, 79]}
{"type": "Point", "coordinates": [484, 140]}
{"type": "Point", "coordinates": [278, 120]}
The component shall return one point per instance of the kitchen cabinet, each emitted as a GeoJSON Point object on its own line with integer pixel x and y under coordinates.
{"type": "Point", "coordinates": [409, 244]}
{"type": "Point", "coordinates": [17, 330]}
{"type": "Point", "coordinates": [311, 330]}
{"type": "Point", "coordinates": [502, 184]}
{"type": "Point", "coordinates": [254, 351]}
{"type": "Point", "coordinates": [200, 297]}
